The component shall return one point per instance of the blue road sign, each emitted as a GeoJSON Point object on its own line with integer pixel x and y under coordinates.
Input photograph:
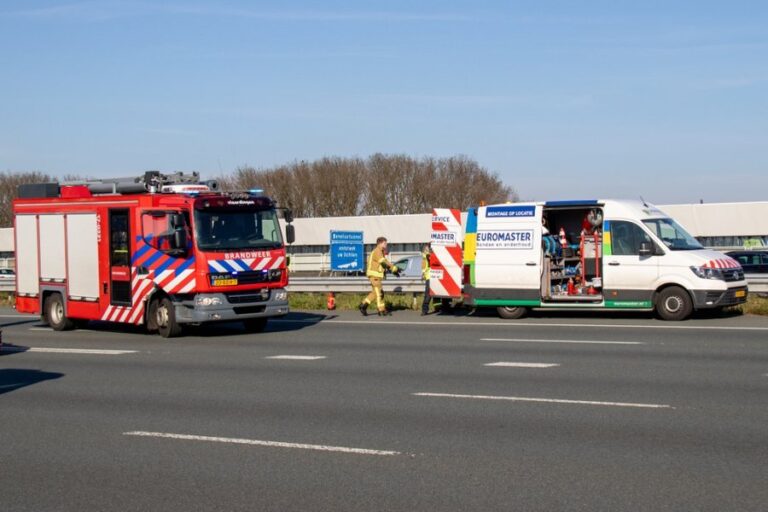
{"type": "Point", "coordinates": [347, 253]}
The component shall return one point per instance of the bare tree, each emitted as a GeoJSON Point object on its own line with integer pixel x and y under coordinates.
{"type": "Point", "coordinates": [380, 185]}
{"type": "Point", "coordinates": [9, 185]}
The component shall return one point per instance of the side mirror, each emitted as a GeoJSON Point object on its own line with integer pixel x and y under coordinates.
{"type": "Point", "coordinates": [290, 234]}
{"type": "Point", "coordinates": [288, 215]}
{"type": "Point", "coordinates": [176, 220]}
{"type": "Point", "coordinates": [180, 240]}
{"type": "Point", "coordinates": [646, 249]}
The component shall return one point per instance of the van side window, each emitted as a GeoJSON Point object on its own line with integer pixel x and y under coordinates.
{"type": "Point", "coordinates": [626, 238]}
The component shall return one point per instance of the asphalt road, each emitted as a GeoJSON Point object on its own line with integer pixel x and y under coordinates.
{"type": "Point", "coordinates": [346, 413]}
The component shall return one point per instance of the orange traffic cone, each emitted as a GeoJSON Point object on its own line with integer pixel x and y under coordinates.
{"type": "Point", "coordinates": [331, 302]}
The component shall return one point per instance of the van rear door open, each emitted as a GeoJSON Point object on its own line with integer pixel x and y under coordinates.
{"type": "Point", "coordinates": [508, 257]}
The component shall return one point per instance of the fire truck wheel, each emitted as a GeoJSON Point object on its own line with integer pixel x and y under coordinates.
{"type": "Point", "coordinates": [255, 324]}
{"type": "Point", "coordinates": [165, 318]}
{"type": "Point", "coordinates": [54, 313]}
{"type": "Point", "coordinates": [511, 313]}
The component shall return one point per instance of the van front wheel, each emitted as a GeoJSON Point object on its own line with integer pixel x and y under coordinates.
{"type": "Point", "coordinates": [674, 304]}
{"type": "Point", "coordinates": [511, 313]}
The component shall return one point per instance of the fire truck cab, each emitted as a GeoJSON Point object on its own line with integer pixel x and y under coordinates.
{"type": "Point", "coordinates": [158, 250]}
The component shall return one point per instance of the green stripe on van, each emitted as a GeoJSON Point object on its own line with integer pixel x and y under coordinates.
{"type": "Point", "coordinates": [629, 304]}
{"type": "Point", "coordinates": [507, 302]}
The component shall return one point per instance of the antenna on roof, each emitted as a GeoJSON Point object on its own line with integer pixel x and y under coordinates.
{"type": "Point", "coordinates": [644, 203]}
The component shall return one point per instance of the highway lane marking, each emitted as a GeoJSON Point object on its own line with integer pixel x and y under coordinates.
{"type": "Point", "coordinates": [494, 324]}
{"type": "Point", "coordinates": [51, 350]}
{"type": "Point", "coordinates": [512, 324]}
{"type": "Point", "coordinates": [522, 365]}
{"type": "Point", "coordinates": [296, 358]}
{"type": "Point", "coordinates": [40, 329]}
{"type": "Point", "coordinates": [586, 342]}
{"type": "Point", "coordinates": [258, 442]}
{"type": "Point", "coordinates": [545, 400]}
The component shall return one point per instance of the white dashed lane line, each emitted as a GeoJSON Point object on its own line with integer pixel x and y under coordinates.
{"type": "Point", "coordinates": [522, 365]}
{"type": "Point", "coordinates": [581, 342]}
{"type": "Point", "coordinates": [52, 350]}
{"type": "Point", "coordinates": [296, 358]}
{"type": "Point", "coordinates": [544, 400]}
{"type": "Point", "coordinates": [259, 442]}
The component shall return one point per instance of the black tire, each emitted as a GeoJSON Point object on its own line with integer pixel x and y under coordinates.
{"type": "Point", "coordinates": [511, 313]}
{"type": "Point", "coordinates": [54, 313]}
{"type": "Point", "coordinates": [165, 318]}
{"type": "Point", "coordinates": [674, 304]}
{"type": "Point", "coordinates": [255, 324]}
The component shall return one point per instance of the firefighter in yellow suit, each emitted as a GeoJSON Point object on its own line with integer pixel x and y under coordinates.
{"type": "Point", "coordinates": [425, 268]}
{"type": "Point", "coordinates": [377, 264]}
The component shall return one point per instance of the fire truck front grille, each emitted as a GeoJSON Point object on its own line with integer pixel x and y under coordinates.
{"type": "Point", "coordinates": [244, 298]}
{"type": "Point", "coordinates": [244, 310]}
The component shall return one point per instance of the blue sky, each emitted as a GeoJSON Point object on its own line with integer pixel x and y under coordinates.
{"type": "Point", "coordinates": [668, 100]}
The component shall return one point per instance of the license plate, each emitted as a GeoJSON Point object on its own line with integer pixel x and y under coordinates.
{"type": "Point", "coordinates": [224, 282]}
{"type": "Point", "coordinates": [740, 293]}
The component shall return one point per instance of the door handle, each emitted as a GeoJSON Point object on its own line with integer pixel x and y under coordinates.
{"type": "Point", "coordinates": [614, 263]}
{"type": "Point", "coordinates": [531, 264]}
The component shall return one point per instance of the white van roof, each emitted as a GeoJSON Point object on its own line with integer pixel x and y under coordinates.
{"type": "Point", "coordinates": [626, 208]}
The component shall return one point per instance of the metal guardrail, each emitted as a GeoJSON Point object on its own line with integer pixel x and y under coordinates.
{"type": "Point", "coordinates": [354, 284]}
{"type": "Point", "coordinates": [758, 283]}
{"type": "Point", "coordinates": [327, 284]}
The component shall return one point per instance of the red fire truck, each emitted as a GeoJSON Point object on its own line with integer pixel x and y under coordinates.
{"type": "Point", "coordinates": [158, 250]}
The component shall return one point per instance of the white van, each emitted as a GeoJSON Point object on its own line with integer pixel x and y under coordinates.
{"type": "Point", "coordinates": [592, 254]}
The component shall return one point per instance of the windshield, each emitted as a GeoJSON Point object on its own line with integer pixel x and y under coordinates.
{"type": "Point", "coordinates": [672, 234]}
{"type": "Point", "coordinates": [221, 229]}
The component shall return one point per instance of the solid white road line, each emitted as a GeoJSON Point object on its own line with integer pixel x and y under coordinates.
{"type": "Point", "coordinates": [51, 350]}
{"type": "Point", "coordinates": [522, 365]}
{"type": "Point", "coordinates": [40, 329]}
{"type": "Point", "coordinates": [584, 342]}
{"type": "Point", "coordinates": [546, 400]}
{"type": "Point", "coordinates": [257, 442]}
{"type": "Point", "coordinates": [519, 324]}
{"type": "Point", "coordinates": [297, 358]}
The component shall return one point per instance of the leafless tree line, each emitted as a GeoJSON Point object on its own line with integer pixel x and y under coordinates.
{"type": "Point", "coordinates": [379, 185]}
{"type": "Point", "coordinates": [9, 183]}
{"type": "Point", "coordinates": [337, 186]}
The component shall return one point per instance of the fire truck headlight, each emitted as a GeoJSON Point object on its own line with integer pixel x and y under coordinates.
{"type": "Point", "coordinates": [281, 295]}
{"type": "Point", "coordinates": [202, 300]}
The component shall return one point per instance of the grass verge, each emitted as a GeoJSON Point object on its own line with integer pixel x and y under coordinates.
{"type": "Point", "coordinates": [7, 299]}
{"type": "Point", "coordinates": [349, 301]}
{"type": "Point", "coordinates": [755, 305]}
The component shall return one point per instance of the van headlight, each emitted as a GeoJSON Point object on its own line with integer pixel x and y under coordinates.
{"type": "Point", "coordinates": [203, 300]}
{"type": "Point", "coordinates": [708, 273]}
{"type": "Point", "coordinates": [281, 295]}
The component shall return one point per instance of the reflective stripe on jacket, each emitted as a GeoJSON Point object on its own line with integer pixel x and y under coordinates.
{"type": "Point", "coordinates": [425, 265]}
{"type": "Point", "coordinates": [377, 263]}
